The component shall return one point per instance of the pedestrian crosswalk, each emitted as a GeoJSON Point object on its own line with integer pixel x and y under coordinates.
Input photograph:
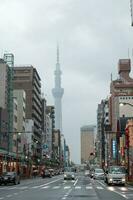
{"type": "Point", "coordinates": [71, 187]}
{"type": "Point", "coordinates": [66, 187]}
{"type": "Point", "coordinates": [45, 187]}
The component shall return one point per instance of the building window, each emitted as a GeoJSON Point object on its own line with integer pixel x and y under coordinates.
{"type": "Point", "coordinates": [15, 118]}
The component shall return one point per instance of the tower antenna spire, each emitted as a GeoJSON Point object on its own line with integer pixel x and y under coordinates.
{"type": "Point", "coordinates": [58, 56]}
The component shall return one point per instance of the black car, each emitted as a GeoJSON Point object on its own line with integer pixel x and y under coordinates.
{"type": "Point", "coordinates": [1, 180]}
{"type": "Point", "coordinates": [11, 177]}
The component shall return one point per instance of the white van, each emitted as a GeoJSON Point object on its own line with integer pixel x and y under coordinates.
{"type": "Point", "coordinates": [115, 175]}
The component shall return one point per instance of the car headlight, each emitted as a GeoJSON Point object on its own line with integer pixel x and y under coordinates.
{"type": "Point", "coordinates": [72, 175]}
{"type": "Point", "coordinates": [123, 179]}
{"type": "Point", "coordinates": [110, 179]}
{"type": "Point", "coordinates": [65, 175]}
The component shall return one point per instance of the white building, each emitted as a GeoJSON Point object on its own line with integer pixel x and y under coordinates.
{"type": "Point", "coordinates": [20, 96]}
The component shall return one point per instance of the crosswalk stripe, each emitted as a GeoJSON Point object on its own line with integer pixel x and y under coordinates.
{"type": "Point", "coordinates": [46, 187]}
{"type": "Point", "coordinates": [67, 187]}
{"type": "Point", "coordinates": [99, 187]}
{"type": "Point", "coordinates": [89, 187]}
{"type": "Point", "coordinates": [78, 187]}
{"type": "Point", "coordinates": [56, 187]}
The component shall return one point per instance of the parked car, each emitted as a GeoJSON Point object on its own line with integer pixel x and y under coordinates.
{"type": "Point", "coordinates": [98, 173]}
{"type": "Point", "coordinates": [1, 180]}
{"type": "Point", "coordinates": [46, 173]}
{"type": "Point", "coordinates": [52, 171]}
{"type": "Point", "coordinates": [115, 175]}
{"type": "Point", "coordinates": [11, 177]}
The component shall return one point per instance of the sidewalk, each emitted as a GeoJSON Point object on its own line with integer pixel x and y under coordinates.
{"type": "Point", "coordinates": [130, 183]}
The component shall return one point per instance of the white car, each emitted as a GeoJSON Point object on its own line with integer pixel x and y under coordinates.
{"type": "Point", "coordinates": [69, 176]}
{"type": "Point", "coordinates": [98, 173]}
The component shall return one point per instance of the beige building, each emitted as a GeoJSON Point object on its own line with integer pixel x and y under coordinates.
{"type": "Point", "coordinates": [87, 134]}
{"type": "Point", "coordinates": [27, 78]}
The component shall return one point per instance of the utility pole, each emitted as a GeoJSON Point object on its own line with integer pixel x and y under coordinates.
{"type": "Point", "coordinates": [131, 7]}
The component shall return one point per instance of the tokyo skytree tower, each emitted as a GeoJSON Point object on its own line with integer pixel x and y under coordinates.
{"type": "Point", "coordinates": [58, 92]}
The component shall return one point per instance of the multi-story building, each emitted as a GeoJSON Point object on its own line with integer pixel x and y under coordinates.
{"type": "Point", "coordinates": [15, 126]}
{"type": "Point", "coordinates": [87, 135]}
{"type": "Point", "coordinates": [56, 153]}
{"type": "Point", "coordinates": [28, 79]}
{"type": "Point", "coordinates": [3, 105]}
{"type": "Point", "coordinates": [121, 91]}
{"type": "Point", "coordinates": [44, 114]}
{"type": "Point", "coordinates": [67, 156]}
{"type": "Point", "coordinates": [3, 84]}
{"type": "Point", "coordinates": [48, 142]}
{"type": "Point", "coordinates": [103, 132]}
{"type": "Point", "coordinates": [20, 96]}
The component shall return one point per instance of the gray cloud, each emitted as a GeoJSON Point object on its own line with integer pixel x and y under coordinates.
{"type": "Point", "coordinates": [93, 35]}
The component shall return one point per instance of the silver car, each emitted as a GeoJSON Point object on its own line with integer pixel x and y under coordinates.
{"type": "Point", "coordinates": [98, 173]}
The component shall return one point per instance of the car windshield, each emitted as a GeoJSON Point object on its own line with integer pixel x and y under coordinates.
{"type": "Point", "coordinates": [9, 173]}
{"type": "Point", "coordinates": [99, 170]}
{"type": "Point", "coordinates": [69, 169]}
{"type": "Point", "coordinates": [117, 170]}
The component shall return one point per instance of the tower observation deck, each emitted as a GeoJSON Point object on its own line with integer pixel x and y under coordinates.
{"type": "Point", "coordinates": [58, 92]}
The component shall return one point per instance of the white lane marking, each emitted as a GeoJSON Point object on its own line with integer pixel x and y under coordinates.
{"type": "Point", "coordinates": [45, 187]}
{"type": "Point", "coordinates": [102, 183]}
{"type": "Point", "coordinates": [123, 195]}
{"type": "Point", "coordinates": [67, 187]}
{"type": "Point", "coordinates": [78, 187]}
{"type": "Point", "coordinates": [75, 182]}
{"type": "Point", "coordinates": [37, 186]}
{"type": "Point", "coordinates": [99, 188]}
{"type": "Point", "coordinates": [11, 188]}
{"type": "Point", "coordinates": [22, 188]}
{"type": "Point", "coordinates": [56, 187]}
{"type": "Point", "coordinates": [10, 195]}
{"type": "Point", "coordinates": [113, 190]}
{"type": "Point", "coordinates": [88, 187]}
{"type": "Point", "coordinates": [66, 195]}
{"type": "Point", "coordinates": [15, 193]}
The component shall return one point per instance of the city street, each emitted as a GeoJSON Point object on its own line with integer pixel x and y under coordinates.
{"type": "Point", "coordinates": [56, 188]}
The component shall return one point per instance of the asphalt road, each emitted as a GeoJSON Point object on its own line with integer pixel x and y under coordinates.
{"type": "Point", "coordinates": [55, 188]}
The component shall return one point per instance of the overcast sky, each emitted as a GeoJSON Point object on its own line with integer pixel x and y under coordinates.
{"type": "Point", "coordinates": [93, 35]}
